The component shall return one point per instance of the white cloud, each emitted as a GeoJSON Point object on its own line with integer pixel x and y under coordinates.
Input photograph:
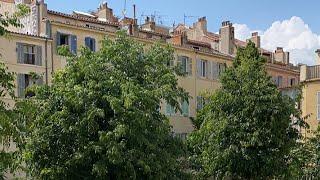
{"type": "Point", "coordinates": [292, 34]}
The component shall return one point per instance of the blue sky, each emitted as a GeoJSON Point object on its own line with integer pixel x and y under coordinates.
{"type": "Point", "coordinates": [289, 20]}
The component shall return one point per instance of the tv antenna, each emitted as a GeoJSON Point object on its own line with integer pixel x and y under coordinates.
{"type": "Point", "coordinates": [124, 11]}
{"type": "Point", "coordinates": [185, 17]}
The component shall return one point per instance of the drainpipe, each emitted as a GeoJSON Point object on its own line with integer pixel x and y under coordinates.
{"type": "Point", "coordinates": [46, 59]}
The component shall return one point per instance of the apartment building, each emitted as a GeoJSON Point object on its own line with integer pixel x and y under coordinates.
{"type": "Point", "coordinates": [202, 55]}
{"type": "Point", "coordinates": [310, 105]}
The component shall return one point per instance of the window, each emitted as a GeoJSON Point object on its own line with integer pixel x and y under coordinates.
{"type": "Point", "coordinates": [222, 68]}
{"type": "Point", "coordinates": [279, 81]}
{"type": "Point", "coordinates": [67, 40]}
{"type": "Point", "coordinates": [204, 68]}
{"type": "Point", "coordinates": [185, 63]}
{"type": "Point", "coordinates": [90, 43]}
{"type": "Point", "coordinates": [170, 110]}
{"type": "Point", "coordinates": [292, 82]}
{"type": "Point", "coordinates": [185, 108]}
{"type": "Point", "coordinates": [24, 81]}
{"type": "Point", "coordinates": [29, 54]}
{"type": "Point", "coordinates": [200, 102]}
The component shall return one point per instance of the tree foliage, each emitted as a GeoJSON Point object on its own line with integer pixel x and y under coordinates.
{"type": "Point", "coordinates": [245, 131]}
{"type": "Point", "coordinates": [100, 118]}
{"type": "Point", "coordinates": [7, 127]}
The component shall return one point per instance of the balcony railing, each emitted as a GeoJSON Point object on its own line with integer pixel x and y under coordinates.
{"type": "Point", "coordinates": [313, 72]}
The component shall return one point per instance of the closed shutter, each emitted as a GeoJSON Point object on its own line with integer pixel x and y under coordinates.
{"type": "Point", "coordinates": [280, 81]}
{"type": "Point", "coordinates": [20, 57]}
{"type": "Point", "coordinates": [73, 44]}
{"type": "Point", "coordinates": [21, 85]}
{"type": "Point", "coordinates": [199, 70]}
{"type": "Point", "coordinates": [190, 66]}
{"type": "Point", "coordinates": [199, 102]}
{"type": "Point", "coordinates": [215, 70]}
{"type": "Point", "coordinates": [38, 52]}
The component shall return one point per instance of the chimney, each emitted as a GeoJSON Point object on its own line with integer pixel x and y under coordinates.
{"type": "Point", "coordinates": [255, 38]}
{"type": "Point", "coordinates": [226, 43]}
{"type": "Point", "coordinates": [104, 12]}
{"type": "Point", "coordinates": [149, 24]}
{"type": "Point", "coordinates": [201, 25]}
{"type": "Point", "coordinates": [318, 57]}
{"type": "Point", "coordinates": [281, 56]}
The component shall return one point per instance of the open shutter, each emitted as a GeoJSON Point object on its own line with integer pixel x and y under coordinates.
{"type": "Point", "coordinates": [58, 38]}
{"type": "Point", "coordinates": [189, 70]}
{"type": "Point", "coordinates": [73, 44]}
{"type": "Point", "coordinates": [94, 45]}
{"type": "Point", "coordinates": [199, 68]}
{"type": "Point", "coordinates": [48, 29]}
{"type": "Point", "coordinates": [222, 68]}
{"type": "Point", "coordinates": [39, 81]}
{"type": "Point", "coordinates": [185, 108]}
{"type": "Point", "coordinates": [38, 53]}
{"type": "Point", "coordinates": [21, 85]}
{"type": "Point", "coordinates": [87, 42]}
{"type": "Point", "coordinates": [20, 53]}
{"type": "Point", "coordinates": [215, 70]}
{"type": "Point", "coordinates": [209, 69]}
{"type": "Point", "coordinates": [179, 63]}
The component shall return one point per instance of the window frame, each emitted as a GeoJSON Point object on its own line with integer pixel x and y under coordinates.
{"type": "Point", "coordinates": [29, 54]}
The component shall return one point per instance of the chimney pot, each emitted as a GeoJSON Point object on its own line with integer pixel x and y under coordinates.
{"type": "Point", "coordinates": [254, 34]}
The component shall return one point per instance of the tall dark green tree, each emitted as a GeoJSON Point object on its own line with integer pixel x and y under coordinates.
{"type": "Point", "coordinates": [100, 118]}
{"type": "Point", "coordinates": [245, 131]}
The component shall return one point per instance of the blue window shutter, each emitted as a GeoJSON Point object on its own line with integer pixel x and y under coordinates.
{"type": "Point", "coordinates": [87, 42]}
{"type": "Point", "coordinates": [20, 59]}
{"type": "Point", "coordinates": [21, 85]}
{"type": "Point", "coordinates": [58, 38]}
{"type": "Point", "coordinates": [94, 45]}
{"type": "Point", "coordinates": [73, 44]}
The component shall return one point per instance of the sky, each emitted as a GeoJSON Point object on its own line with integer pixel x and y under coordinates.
{"type": "Point", "coordinates": [292, 24]}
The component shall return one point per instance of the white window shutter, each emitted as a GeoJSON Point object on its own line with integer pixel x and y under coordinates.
{"type": "Point", "coordinates": [20, 57]}
{"type": "Point", "coordinates": [38, 54]}
{"type": "Point", "coordinates": [209, 69]}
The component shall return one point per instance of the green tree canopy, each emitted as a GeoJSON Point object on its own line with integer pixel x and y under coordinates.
{"type": "Point", "coordinates": [245, 131]}
{"type": "Point", "coordinates": [100, 118]}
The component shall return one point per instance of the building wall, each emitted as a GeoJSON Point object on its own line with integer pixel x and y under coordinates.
{"type": "Point", "coordinates": [309, 104]}
{"type": "Point", "coordinates": [8, 50]}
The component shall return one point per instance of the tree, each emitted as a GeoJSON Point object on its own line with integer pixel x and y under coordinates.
{"type": "Point", "coordinates": [245, 131]}
{"type": "Point", "coordinates": [7, 129]}
{"type": "Point", "coordinates": [100, 118]}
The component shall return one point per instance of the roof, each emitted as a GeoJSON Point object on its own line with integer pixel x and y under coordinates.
{"type": "Point", "coordinates": [199, 43]}
{"type": "Point", "coordinates": [92, 20]}
{"type": "Point", "coordinates": [84, 14]}
{"type": "Point", "coordinates": [29, 35]}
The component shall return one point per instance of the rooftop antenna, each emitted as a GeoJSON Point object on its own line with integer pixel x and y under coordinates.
{"type": "Point", "coordinates": [185, 17]}
{"type": "Point", "coordinates": [124, 11]}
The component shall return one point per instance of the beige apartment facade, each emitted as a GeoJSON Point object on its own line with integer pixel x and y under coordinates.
{"type": "Point", "coordinates": [203, 55]}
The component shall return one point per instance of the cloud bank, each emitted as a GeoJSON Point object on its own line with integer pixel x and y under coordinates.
{"type": "Point", "coordinates": [294, 35]}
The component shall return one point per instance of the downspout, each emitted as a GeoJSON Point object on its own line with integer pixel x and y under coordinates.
{"type": "Point", "coordinates": [46, 59]}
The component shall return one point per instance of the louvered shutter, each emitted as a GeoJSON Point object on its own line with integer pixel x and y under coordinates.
{"type": "Point", "coordinates": [93, 45]}
{"type": "Point", "coordinates": [38, 52]}
{"type": "Point", "coordinates": [48, 29]}
{"type": "Point", "coordinates": [215, 70]}
{"type": "Point", "coordinates": [87, 42]}
{"type": "Point", "coordinates": [20, 58]}
{"type": "Point", "coordinates": [199, 70]}
{"type": "Point", "coordinates": [58, 38]}
{"type": "Point", "coordinates": [208, 69]}
{"type": "Point", "coordinates": [190, 66]}
{"type": "Point", "coordinates": [21, 85]}
{"type": "Point", "coordinates": [185, 108]}
{"type": "Point", "coordinates": [73, 44]}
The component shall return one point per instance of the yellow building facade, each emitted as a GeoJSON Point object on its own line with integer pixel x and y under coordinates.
{"type": "Point", "coordinates": [202, 55]}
